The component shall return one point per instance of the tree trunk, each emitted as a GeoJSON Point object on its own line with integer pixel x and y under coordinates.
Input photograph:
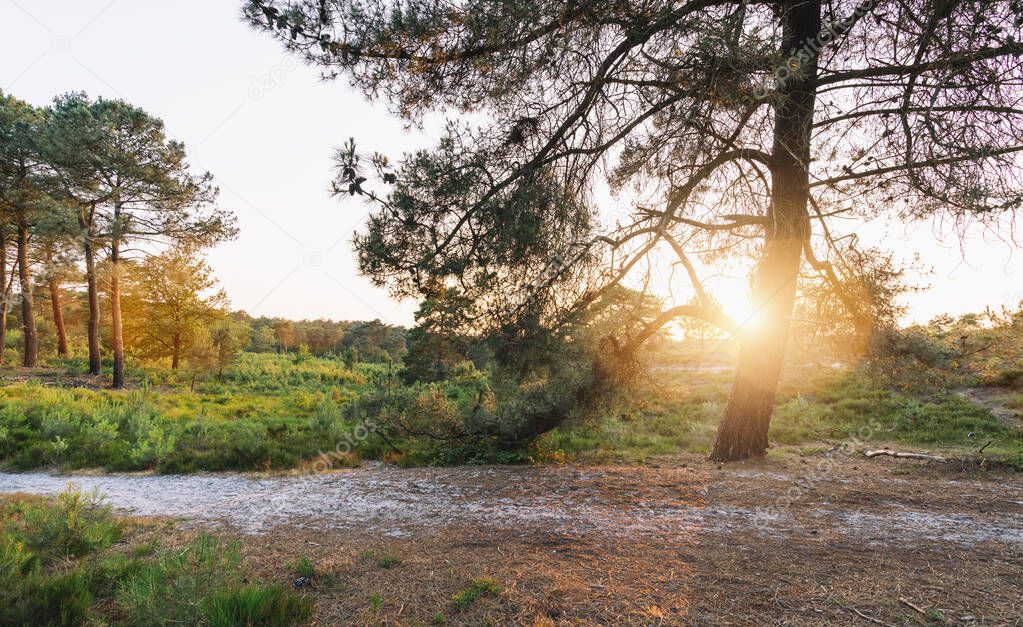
{"type": "Point", "coordinates": [30, 357]}
{"type": "Point", "coordinates": [95, 365]}
{"type": "Point", "coordinates": [86, 216]}
{"type": "Point", "coordinates": [221, 358]}
{"type": "Point", "coordinates": [743, 431]}
{"type": "Point", "coordinates": [5, 294]}
{"type": "Point", "coordinates": [175, 351]}
{"type": "Point", "coordinates": [117, 339]}
{"type": "Point", "coordinates": [3, 330]}
{"type": "Point", "coordinates": [58, 316]}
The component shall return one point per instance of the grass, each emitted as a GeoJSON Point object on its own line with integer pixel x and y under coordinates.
{"type": "Point", "coordinates": [680, 412]}
{"type": "Point", "coordinates": [385, 560]}
{"type": "Point", "coordinates": [272, 605]}
{"type": "Point", "coordinates": [59, 566]}
{"type": "Point", "coordinates": [388, 561]}
{"type": "Point", "coordinates": [303, 567]}
{"type": "Point", "coordinates": [477, 589]}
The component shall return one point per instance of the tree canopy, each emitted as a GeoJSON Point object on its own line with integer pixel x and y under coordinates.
{"type": "Point", "coordinates": [171, 299]}
{"type": "Point", "coordinates": [743, 127]}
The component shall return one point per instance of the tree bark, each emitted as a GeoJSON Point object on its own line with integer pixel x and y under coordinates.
{"type": "Point", "coordinates": [3, 331]}
{"type": "Point", "coordinates": [58, 316]}
{"type": "Point", "coordinates": [5, 294]}
{"type": "Point", "coordinates": [30, 356]}
{"type": "Point", "coordinates": [95, 365]}
{"type": "Point", "coordinates": [175, 351]}
{"type": "Point", "coordinates": [117, 339]}
{"type": "Point", "coordinates": [221, 358]}
{"type": "Point", "coordinates": [743, 430]}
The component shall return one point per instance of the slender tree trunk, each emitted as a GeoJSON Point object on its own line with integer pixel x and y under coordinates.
{"type": "Point", "coordinates": [58, 316]}
{"type": "Point", "coordinates": [3, 330]}
{"type": "Point", "coordinates": [743, 431]}
{"type": "Point", "coordinates": [5, 294]}
{"type": "Point", "coordinates": [30, 357]}
{"type": "Point", "coordinates": [95, 365]}
{"type": "Point", "coordinates": [117, 339]}
{"type": "Point", "coordinates": [175, 351]}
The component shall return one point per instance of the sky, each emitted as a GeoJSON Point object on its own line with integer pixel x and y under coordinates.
{"type": "Point", "coordinates": [266, 127]}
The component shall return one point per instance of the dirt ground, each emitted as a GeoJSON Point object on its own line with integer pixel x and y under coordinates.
{"type": "Point", "coordinates": [878, 542]}
{"type": "Point", "coordinates": [792, 540]}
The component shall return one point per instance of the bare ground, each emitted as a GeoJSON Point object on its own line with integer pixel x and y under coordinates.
{"type": "Point", "coordinates": [821, 539]}
{"type": "Point", "coordinates": [994, 399]}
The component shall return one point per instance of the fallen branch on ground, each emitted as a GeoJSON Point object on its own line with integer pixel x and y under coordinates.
{"type": "Point", "coordinates": [866, 617]}
{"type": "Point", "coordinates": [899, 454]}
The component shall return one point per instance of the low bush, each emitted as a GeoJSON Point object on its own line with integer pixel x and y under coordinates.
{"type": "Point", "coordinates": [58, 567]}
{"type": "Point", "coordinates": [1004, 378]}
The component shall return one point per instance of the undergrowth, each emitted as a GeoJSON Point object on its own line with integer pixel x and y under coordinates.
{"type": "Point", "coordinates": [59, 565]}
{"type": "Point", "coordinates": [284, 412]}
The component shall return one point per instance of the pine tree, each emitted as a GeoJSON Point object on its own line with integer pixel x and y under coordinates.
{"type": "Point", "coordinates": [725, 125]}
{"type": "Point", "coordinates": [133, 185]}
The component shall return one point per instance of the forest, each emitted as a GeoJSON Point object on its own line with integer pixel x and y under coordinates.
{"type": "Point", "coordinates": [667, 363]}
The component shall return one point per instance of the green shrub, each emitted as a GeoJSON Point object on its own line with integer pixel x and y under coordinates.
{"type": "Point", "coordinates": [39, 581]}
{"type": "Point", "coordinates": [76, 524]}
{"type": "Point", "coordinates": [1005, 378]}
{"type": "Point", "coordinates": [56, 568]}
{"type": "Point", "coordinates": [38, 598]}
{"type": "Point", "coordinates": [204, 584]}
{"type": "Point", "coordinates": [172, 588]}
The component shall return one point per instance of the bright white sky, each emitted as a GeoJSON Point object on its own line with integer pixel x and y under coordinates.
{"type": "Point", "coordinates": [266, 127]}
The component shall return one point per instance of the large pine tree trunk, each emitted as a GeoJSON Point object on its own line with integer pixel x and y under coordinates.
{"type": "Point", "coordinates": [30, 356]}
{"type": "Point", "coordinates": [95, 365]}
{"type": "Point", "coordinates": [743, 431]}
{"type": "Point", "coordinates": [58, 316]}
{"type": "Point", "coordinates": [117, 339]}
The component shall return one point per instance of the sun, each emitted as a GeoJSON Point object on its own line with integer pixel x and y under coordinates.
{"type": "Point", "coordinates": [734, 296]}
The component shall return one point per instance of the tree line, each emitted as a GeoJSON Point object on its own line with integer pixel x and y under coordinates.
{"type": "Point", "coordinates": [84, 181]}
{"type": "Point", "coordinates": [103, 219]}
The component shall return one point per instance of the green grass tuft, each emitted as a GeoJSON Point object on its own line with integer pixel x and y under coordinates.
{"type": "Point", "coordinates": [273, 606]}
{"type": "Point", "coordinates": [388, 561]}
{"type": "Point", "coordinates": [303, 566]}
{"type": "Point", "coordinates": [477, 589]}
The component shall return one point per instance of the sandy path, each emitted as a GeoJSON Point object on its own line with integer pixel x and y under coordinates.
{"type": "Point", "coordinates": [878, 507]}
